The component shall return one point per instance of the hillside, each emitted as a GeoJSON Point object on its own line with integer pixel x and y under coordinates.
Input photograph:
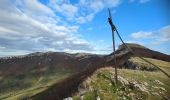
{"type": "Point", "coordinates": [25, 76]}
{"type": "Point", "coordinates": [57, 75]}
{"type": "Point", "coordinates": [133, 84]}
{"type": "Point", "coordinates": [139, 50]}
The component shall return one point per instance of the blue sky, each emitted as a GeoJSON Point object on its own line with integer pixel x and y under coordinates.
{"type": "Point", "coordinates": [28, 26]}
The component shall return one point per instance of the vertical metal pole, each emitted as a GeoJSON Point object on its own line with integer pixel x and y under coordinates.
{"type": "Point", "coordinates": [113, 39]}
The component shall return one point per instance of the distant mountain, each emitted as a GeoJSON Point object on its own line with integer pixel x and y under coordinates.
{"type": "Point", "coordinates": [57, 75]}
{"type": "Point", "coordinates": [38, 71]}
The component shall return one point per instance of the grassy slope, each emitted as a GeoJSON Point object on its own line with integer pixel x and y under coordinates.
{"type": "Point", "coordinates": [155, 85]}
{"type": "Point", "coordinates": [100, 83]}
{"type": "Point", "coordinates": [35, 85]}
{"type": "Point", "coordinates": [165, 66]}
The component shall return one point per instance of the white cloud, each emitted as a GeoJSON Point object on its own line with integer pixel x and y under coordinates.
{"type": "Point", "coordinates": [1, 48]}
{"type": "Point", "coordinates": [29, 26]}
{"type": "Point", "coordinates": [73, 28]}
{"type": "Point", "coordinates": [141, 34]}
{"type": "Point", "coordinates": [111, 3]}
{"type": "Point", "coordinates": [88, 8]}
{"type": "Point", "coordinates": [97, 5]}
{"type": "Point", "coordinates": [143, 1]}
{"type": "Point", "coordinates": [140, 1]}
{"type": "Point", "coordinates": [165, 33]}
{"type": "Point", "coordinates": [33, 6]}
{"type": "Point", "coordinates": [90, 28]}
{"type": "Point", "coordinates": [163, 36]}
{"type": "Point", "coordinates": [69, 9]}
{"type": "Point", "coordinates": [65, 9]}
{"type": "Point", "coordinates": [131, 1]}
{"type": "Point", "coordinates": [101, 41]}
{"type": "Point", "coordinates": [83, 11]}
{"type": "Point", "coordinates": [84, 19]}
{"type": "Point", "coordinates": [156, 37]}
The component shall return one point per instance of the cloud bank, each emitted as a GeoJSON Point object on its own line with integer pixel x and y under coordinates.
{"type": "Point", "coordinates": [30, 26]}
{"type": "Point", "coordinates": [157, 37]}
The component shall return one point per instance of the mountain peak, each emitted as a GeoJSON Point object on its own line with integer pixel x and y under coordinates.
{"type": "Point", "coordinates": [133, 45]}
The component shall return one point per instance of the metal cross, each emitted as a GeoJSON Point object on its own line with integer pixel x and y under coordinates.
{"type": "Point", "coordinates": [113, 39]}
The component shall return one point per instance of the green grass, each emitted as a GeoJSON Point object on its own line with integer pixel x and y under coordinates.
{"type": "Point", "coordinates": [101, 83]}
{"type": "Point", "coordinates": [135, 45]}
{"type": "Point", "coordinates": [30, 85]}
{"type": "Point", "coordinates": [155, 83]}
{"type": "Point", "coordinates": [165, 66]}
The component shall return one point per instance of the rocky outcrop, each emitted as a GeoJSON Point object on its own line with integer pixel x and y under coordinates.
{"type": "Point", "coordinates": [132, 65]}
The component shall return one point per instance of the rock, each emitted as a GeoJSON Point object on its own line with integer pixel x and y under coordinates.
{"type": "Point", "coordinates": [131, 94]}
{"type": "Point", "coordinates": [155, 87]}
{"type": "Point", "coordinates": [145, 83]}
{"type": "Point", "coordinates": [141, 87]}
{"type": "Point", "coordinates": [159, 82]}
{"type": "Point", "coordinates": [69, 98]}
{"type": "Point", "coordinates": [81, 98]}
{"type": "Point", "coordinates": [121, 92]}
{"type": "Point", "coordinates": [123, 81]}
{"type": "Point", "coordinates": [81, 90]}
{"type": "Point", "coordinates": [97, 98]}
{"type": "Point", "coordinates": [129, 89]}
{"type": "Point", "coordinates": [162, 88]}
{"type": "Point", "coordinates": [154, 93]}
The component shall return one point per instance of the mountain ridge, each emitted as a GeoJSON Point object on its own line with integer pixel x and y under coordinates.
{"type": "Point", "coordinates": [43, 67]}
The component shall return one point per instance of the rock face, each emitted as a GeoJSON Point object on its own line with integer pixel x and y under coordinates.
{"type": "Point", "coordinates": [132, 65]}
